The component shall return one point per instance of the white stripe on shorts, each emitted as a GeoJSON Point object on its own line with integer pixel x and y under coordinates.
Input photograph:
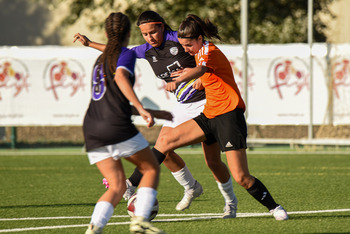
{"type": "Point", "coordinates": [123, 149]}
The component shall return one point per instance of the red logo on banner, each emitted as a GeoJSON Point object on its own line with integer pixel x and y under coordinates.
{"type": "Point", "coordinates": [288, 74]}
{"type": "Point", "coordinates": [237, 72]}
{"type": "Point", "coordinates": [13, 75]}
{"type": "Point", "coordinates": [64, 76]}
{"type": "Point", "coordinates": [341, 73]}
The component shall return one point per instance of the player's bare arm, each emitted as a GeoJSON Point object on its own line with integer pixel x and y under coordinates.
{"type": "Point", "coordinates": [85, 41]}
{"type": "Point", "coordinates": [186, 75]}
{"type": "Point", "coordinates": [124, 84]}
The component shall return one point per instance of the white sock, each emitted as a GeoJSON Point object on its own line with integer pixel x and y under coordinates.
{"type": "Point", "coordinates": [146, 198]}
{"type": "Point", "coordinates": [102, 213]}
{"type": "Point", "coordinates": [184, 177]}
{"type": "Point", "coordinates": [226, 190]}
{"type": "Point", "coordinates": [129, 184]}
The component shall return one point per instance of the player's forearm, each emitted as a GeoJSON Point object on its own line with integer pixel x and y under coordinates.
{"type": "Point", "coordinates": [127, 90]}
{"type": "Point", "coordinates": [192, 73]}
{"type": "Point", "coordinates": [97, 46]}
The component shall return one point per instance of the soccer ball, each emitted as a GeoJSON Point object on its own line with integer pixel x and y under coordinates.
{"type": "Point", "coordinates": [131, 207]}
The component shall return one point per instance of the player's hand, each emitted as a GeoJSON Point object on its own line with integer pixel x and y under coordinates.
{"type": "Point", "coordinates": [82, 38]}
{"type": "Point", "coordinates": [147, 116]}
{"type": "Point", "coordinates": [171, 86]}
{"type": "Point", "coordinates": [198, 84]}
{"type": "Point", "coordinates": [179, 72]}
{"type": "Point", "coordinates": [176, 73]}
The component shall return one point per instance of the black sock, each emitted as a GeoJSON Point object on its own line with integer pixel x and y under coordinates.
{"type": "Point", "coordinates": [262, 195]}
{"type": "Point", "coordinates": [136, 176]}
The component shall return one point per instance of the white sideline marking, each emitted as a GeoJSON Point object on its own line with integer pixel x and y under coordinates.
{"type": "Point", "coordinates": [189, 217]}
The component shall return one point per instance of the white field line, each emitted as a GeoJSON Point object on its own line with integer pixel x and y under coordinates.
{"type": "Point", "coordinates": [189, 217]}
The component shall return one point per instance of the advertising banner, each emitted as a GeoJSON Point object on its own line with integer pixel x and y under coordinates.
{"type": "Point", "coordinates": [51, 85]}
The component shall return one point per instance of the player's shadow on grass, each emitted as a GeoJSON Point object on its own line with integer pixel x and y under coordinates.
{"type": "Point", "coordinates": [47, 205]}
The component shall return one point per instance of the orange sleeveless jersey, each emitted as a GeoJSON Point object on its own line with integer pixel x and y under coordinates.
{"type": "Point", "coordinates": [221, 90]}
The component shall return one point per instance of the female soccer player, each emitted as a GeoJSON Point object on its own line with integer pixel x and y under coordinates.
{"type": "Point", "coordinates": [222, 119]}
{"type": "Point", "coordinates": [166, 55]}
{"type": "Point", "coordinates": [110, 135]}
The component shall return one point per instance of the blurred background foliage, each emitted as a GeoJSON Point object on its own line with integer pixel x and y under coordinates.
{"type": "Point", "coordinates": [54, 22]}
{"type": "Point", "coordinates": [272, 21]}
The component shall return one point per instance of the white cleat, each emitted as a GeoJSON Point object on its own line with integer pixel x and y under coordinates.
{"type": "Point", "coordinates": [279, 213]}
{"type": "Point", "coordinates": [189, 196]}
{"type": "Point", "coordinates": [130, 190]}
{"type": "Point", "coordinates": [230, 210]}
{"type": "Point", "coordinates": [140, 225]}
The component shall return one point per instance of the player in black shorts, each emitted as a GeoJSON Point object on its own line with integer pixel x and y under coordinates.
{"type": "Point", "coordinates": [110, 134]}
{"type": "Point", "coordinates": [223, 118]}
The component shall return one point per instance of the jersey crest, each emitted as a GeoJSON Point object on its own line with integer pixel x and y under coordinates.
{"type": "Point", "coordinates": [174, 50]}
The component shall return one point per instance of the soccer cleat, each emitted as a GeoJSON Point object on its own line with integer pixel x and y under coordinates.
{"type": "Point", "coordinates": [189, 196]}
{"type": "Point", "coordinates": [140, 225]}
{"type": "Point", "coordinates": [93, 229]}
{"type": "Point", "coordinates": [230, 210]}
{"type": "Point", "coordinates": [130, 190]}
{"type": "Point", "coordinates": [279, 213]}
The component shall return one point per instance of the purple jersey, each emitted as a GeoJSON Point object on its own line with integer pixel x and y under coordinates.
{"type": "Point", "coordinates": [170, 57]}
{"type": "Point", "coordinates": [108, 118]}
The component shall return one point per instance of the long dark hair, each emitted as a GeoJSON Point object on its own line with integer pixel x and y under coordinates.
{"type": "Point", "coordinates": [193, 27]}
{"type": "Point", "coordinates": [117, 26]}
{"type": "Point", "coordinates": [151, 16]}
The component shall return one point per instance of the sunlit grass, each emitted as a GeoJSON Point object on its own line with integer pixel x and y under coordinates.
{"type": "Point", "coordinates": [46, 185]}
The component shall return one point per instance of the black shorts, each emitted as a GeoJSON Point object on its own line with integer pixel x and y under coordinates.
{"type": "Point", "coordinates": [229, 130]}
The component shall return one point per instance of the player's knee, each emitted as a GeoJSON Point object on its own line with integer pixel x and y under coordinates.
{"type": "Point", "coordinates": [163, 143]}
{"type": "Point", "coordinates": [117, 187]}
{"type": "Point", "coordinates": [160, 142]}
{"type": "Point", "coordinates": [243, 180]}
{"type": "Point", "coordinates": [153, 169]}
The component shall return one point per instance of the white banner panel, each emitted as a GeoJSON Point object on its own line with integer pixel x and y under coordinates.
{"type": "Point", "coordinates": [340, 70]}
{"type": "Point", "coordinates": [50, 85]}
{"type": "Point", "coordinates": [44, 85]}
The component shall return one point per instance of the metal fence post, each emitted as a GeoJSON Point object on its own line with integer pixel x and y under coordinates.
{"type": "Point", "coordinates": [13, 137]}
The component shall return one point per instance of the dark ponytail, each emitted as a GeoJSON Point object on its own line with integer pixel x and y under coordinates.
{"type": "Point", "coordinates": [117, 26]}
{"type": "Point", "coordinates": [193, 27]}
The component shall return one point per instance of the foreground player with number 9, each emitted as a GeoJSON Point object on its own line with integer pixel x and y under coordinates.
{"type": "Point", "coordinates": [110, 134]}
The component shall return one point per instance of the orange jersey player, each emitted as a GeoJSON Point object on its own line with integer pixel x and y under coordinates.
{"type": "Point", "coordinates": [222, 119]}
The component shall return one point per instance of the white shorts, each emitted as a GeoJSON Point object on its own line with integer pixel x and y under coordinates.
{"type": "Point", "coordinates": [185, 111]}
{"type": "Point", "coordinates": [123, 149]}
